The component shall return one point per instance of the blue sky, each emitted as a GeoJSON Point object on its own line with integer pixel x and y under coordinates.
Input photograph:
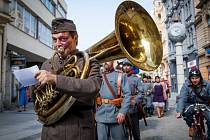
{"type": "Point", "coordinates": [95, 18]}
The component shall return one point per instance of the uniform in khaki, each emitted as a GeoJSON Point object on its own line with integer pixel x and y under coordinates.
{"type": "Point", "coordinates": [78, 122]}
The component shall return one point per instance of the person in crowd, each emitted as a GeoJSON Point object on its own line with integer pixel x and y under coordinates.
{"type": "Point", "coordinates": [159, 97]}
{"type": "Point", "coordinates": [166, 106]}
{"type": "Point", "coordinates": [112, 105]}
{"type": "Point", "coordinates": [78, 122]}
{"type": "Point", "coordinates": [194, 90]}
{"type": "Point", "coordinates": [23, 99]}
{"type": "Point", "coordinates": [119, 66]}
{"type": "Point", "coordinates": [136, 87]}
{"type": "Point", "coordinates": [147, 92]}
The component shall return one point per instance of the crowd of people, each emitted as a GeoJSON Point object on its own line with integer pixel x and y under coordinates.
{"type": "Point", "coordinates": [116, 95]}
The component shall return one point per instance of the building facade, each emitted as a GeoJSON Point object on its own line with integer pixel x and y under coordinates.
{"type": "Point", "coordinates": [26, 40]}
{"type": "Point", "coordinates": [159, 18]}
{"type": "Point", "coordinates": [202, 25]}
{"type": "Point", "coordinates": [184, 11]}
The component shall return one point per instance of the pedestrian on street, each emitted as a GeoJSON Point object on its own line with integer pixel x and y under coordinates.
{"type": "Point", "coordinates": [78, 122]}
{"type": "Point", "coordinates": [112, 104]}
{"type": "Point", "coordinates": [136, 87]}
{"type": "Point", "coordinates": [159, 97]}
{"type": "Point", "coordinates": [194, 90]}
{"type": "Point", "coordinates": [23, 99]}
{"type": "Point", "coordinates": [147, 92]}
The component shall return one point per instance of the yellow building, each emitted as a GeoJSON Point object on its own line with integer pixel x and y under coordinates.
{"type": "Point", "coordinates": [202, 25]}
{"type": "Point", "coordinates": [159, 18]}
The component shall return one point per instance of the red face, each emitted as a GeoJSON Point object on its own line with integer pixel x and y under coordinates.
{"type": "Point", "coordinates": [127, 68]}
{"type": "Point", "coordinates": [65, 41]}
{"type": "Point", "coordinates": [195, 80]}
{"type": "Point", "coordinates": [108, 65]}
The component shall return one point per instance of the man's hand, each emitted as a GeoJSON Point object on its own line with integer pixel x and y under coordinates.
{"type": "Point", "coordinates": [178, 115]}
{"type": "Point", "coordinates": [45, 77]}
{"type": "Point", "coordinates": [120, 118]}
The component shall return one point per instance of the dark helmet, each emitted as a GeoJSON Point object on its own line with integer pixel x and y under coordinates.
{"type": "Point", "coordinates": [195, 72]}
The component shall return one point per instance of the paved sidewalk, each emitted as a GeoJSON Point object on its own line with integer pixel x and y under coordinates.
{"type": "Point", "coordinates": [16, 125]}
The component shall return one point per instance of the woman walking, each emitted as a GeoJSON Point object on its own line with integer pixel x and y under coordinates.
{"type": "Point", "coordinates": [159, 97]}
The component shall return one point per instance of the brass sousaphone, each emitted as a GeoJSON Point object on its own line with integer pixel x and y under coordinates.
{"type": "Point", "coordinates": [136, 38]}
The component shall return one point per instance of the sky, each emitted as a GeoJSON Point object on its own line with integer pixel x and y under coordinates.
{"type": "Point", "coordinates": [95, 19]}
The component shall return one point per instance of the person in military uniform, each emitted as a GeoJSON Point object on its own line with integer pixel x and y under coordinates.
{"type": "Point", "coordinates": [147, 92]}
{"type": "Point", "coordinates": [78, 122]}
{"type": "Point", "coordinates": [112, 105]}
{"type": "Point", "coordinates": [136, 87]}
{"type": "Point", "coordinates": [194, 90]}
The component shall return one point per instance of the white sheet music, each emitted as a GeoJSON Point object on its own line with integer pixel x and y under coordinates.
{"type": "Point", "coordinates": [26, 76]}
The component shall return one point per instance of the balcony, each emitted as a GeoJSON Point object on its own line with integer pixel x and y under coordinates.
{"type": "Point", "coordinates": [4, 12]}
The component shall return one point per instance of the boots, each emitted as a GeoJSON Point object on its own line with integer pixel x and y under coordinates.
{"type": "Point", "coordinates": [191, 131]}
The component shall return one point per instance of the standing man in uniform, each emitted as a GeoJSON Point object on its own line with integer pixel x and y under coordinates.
{"type": "Point", "coordinates": [136, 87]}
{"type": "Point", "coordinates": [113, 105]}
{"type": "Point", "coordinates": [78, 122]}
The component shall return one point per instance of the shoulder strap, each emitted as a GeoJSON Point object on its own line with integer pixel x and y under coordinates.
{"type": "Point", "coordinates": [109, 86]}
{"type": "Point", "coordinates": [119, 79]}
{"type": "Point", "coordinates": [198, 94]}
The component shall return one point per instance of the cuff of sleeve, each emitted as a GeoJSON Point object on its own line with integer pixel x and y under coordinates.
{"type": "Point", "coordinates": [58, 82]}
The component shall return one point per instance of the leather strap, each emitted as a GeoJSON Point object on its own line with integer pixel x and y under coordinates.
{"type": "Point", "coordinates": [198, 94]}
{"type": "Point", "coordinates": [119, 79]}
{"type": "Point", "coordinates": [109, 86]}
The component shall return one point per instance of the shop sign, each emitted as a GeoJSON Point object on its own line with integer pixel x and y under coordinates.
{"type": "Point", "coordinates": [191, 64]}
{"type": "Point", "coordinates": [18, 61]}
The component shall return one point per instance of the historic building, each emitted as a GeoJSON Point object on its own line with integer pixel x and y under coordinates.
{"type": "Point", "coordinates": [202, 25]}
{"type": "Point", "coordinates": [159, 18]}
{"type": "Point", "coordinates": [26, 40]}
{"type": "Point", "coordinates": [184, 11]}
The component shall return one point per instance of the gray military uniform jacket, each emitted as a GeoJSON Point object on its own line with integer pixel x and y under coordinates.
{"type": "Point", "coordinates": [78, 122]}
{"type": "Point", "coordinates": [188, 97]}
{"type": "Point", "coordinates": [107, 113]}
{"type": "Point", "coordinates": [136, 91]}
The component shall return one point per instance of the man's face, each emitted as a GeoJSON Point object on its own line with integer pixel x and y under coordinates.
{"type": "Point", "coordinates": [108, 65]}
{"type": "Point", "coordinates": [195, 80]}
{"type": "Point", "coordinates": [145, 80]}
{"type": "Point", "coordinates": [66, 41]}
{"type": "Point", "coordinates": [127, 68]}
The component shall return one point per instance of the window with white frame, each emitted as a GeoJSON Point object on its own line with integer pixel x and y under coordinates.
{"type": "Point", "coordinates": [50, 5]}
{"type": "Point", "coordinates": [44, 34]}
{"type": "Point", "coordinates": [24, 19]}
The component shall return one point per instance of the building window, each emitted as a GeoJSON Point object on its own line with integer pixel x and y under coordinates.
{"type": "Point", "coordinates": [19, 19]}
{"type": "Point", "coordinates": [50, 5]}
{"type": "Point", "coordinates": [44, 34]}
{"type": "Point", "coordinates": [25, 21]}
{"type": "Point", "coordinates": [61, 10]}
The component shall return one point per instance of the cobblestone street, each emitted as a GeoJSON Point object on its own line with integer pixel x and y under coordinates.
{"type": "Point", "coordinates": [165, 128]}
{"type": "Point", "coordinates": [24, 126]}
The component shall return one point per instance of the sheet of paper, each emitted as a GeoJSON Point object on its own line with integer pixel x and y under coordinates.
{"type": "Point", "coordinates": [26, 76]}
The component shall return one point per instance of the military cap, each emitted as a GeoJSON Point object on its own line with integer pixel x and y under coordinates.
{"type": "Point", "coordinates": [63, 25]}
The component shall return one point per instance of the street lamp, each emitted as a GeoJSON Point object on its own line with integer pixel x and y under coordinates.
{"type": "Point", "coordinates": [177, 35]}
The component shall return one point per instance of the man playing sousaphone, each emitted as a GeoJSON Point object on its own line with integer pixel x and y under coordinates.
{"type": "Point", "coordinates": [78, 122]}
